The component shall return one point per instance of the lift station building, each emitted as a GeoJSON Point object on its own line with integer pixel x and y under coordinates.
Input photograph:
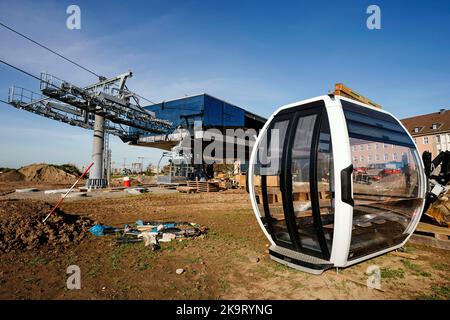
{"type": "Point", "coordinates": [202, 109]}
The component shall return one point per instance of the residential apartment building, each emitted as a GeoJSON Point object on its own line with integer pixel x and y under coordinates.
{"type": "Point", "coordinates": [366, 154]}
{"type": "Point", "coordinates": [431, 132]}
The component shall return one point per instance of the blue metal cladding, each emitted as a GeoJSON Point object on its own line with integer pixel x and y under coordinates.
{"type": "Point", "coordinates": [176, 111]}
{"type": "Point", "coordinates": [220, 113]}
{"type": "Point", "coordinates": [211, 111]}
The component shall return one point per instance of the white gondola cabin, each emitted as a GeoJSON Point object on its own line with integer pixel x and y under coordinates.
{"type": "Point", "coordinates": [334, 182]}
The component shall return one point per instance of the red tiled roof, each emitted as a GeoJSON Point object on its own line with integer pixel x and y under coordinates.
{"type": "Point", "coordinates": [425, 123]}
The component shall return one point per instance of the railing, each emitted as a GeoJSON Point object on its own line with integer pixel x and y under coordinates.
{"type": "Point", "coordinates": [23, 96]}
{"type": "Point", "coordinates": [49, 81]}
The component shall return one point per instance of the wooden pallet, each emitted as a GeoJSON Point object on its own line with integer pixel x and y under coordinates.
{"type": "Point", "coordinates": [440, 233]}
{"type": "Point", "coordinates": [431, 235]}
{"type": "Point", "coordinates": [204, 186]}
{"type": "Point", "coordinates": [187, 189]}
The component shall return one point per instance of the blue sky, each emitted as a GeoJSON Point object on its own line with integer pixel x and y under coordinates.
{"type": "Point", "coordinates": [255, 54]}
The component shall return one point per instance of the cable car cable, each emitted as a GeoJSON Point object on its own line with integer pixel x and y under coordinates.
{"type": "Point", "coordinates": [51, 50]}
{"type": "Point", "coordinates": [19, 69]}
{"type": "Point", "coordinates": [61, 56]}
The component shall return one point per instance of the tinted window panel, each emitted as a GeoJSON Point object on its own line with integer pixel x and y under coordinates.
{"type": "Point", "coordinates": [368, 124]}
{"type": "Point", "coordinates": [385, 182]}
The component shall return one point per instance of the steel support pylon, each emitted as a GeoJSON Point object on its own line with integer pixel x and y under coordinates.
{"type": "Point", "coordinates": [97, 175]}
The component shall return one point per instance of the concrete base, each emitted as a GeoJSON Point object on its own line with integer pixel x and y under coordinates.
{"type": "Point", "coordinates": [96, 183]}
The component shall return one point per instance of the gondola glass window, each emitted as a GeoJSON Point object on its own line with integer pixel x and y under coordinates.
{"type": "Point", "coordinates": [302, 149]}
{"type": "Point", "coordinates": [267, 180]}
{"type": "Point", "coordinates": [301, 188]}
{"type": "Point", "coordinates": [385, 188]}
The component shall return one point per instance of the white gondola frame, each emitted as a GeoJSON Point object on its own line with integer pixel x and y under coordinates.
{"type": "Point", "coordinates": [343, 212]}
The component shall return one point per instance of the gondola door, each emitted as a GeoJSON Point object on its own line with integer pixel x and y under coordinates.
{"type": "Point", "coordinates": [297, 192]}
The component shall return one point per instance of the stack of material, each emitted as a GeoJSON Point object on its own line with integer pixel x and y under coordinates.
{"type": "Point", "coordinates": [440, 212]}
{"type": "Point", "coordinates": [187, 189]}
{"type": "Point", "coordinates": [204, 186]}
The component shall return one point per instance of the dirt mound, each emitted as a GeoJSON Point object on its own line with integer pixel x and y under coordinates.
{"type": "Point", "coordinates": [11, 176]}
{"type": "Point", "coordinates": [21, 226]}
{"type": "Point", "coordinates": [46, 173]}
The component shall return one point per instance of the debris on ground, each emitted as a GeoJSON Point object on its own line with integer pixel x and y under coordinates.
{"type": "Point", "coordinates": [151, 233]}
{"type": "Point", "coordinates": [26, 190]}
{"type": "Point", "coordinates": [56, 191]}
{"type": "Point", "coordinates": [137, 190]}
{"type": "Point", "coordinates": [179, 271]}
{"type": "Point", "coordinates": [21, 226]}
{"type": "Point", "coordinates": [439, 212]}
{"type": "Point", "coordinates": [77, 195]}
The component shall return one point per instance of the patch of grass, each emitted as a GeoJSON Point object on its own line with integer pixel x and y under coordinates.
{"type": "Point", "coordinates": [191, 259]}
{"type": "Point", "coordinates": [224, 285]}
{"type": "Point", "coordinates": [297, 285]}
{"type": "Point", "coordinates": [341, 286]}
{"type": "Point", "coordinates": [32, 280]}
{"type": "Point", "coordinates": [169, 246]}
{"type": "Point", "coordinates": [389, 273]}
{"type": "Point", "coordinates": [408, 249]}
{"type": "Point", "coordinates": [439, 293]}
{"type": "Point", "coordinates": [443, 291]}
{"type": "Point", "coordinates": [117, 254]}
{"type": "Point", "coordinates": [144, 255]}
{"type": "Point", "coordinates": [440, 266]}
{"type": "Point", "coordinates": [425, 296]}
{"type": "Point", "coordinates": [93, 272]}
{"type": "Point", "coordinates": [263, 271]}
{"type": "Point", "coordinates": [280, 267]}
{"type": "Point", "coordinates": [37, 261]}
{"type": "Point", "coordinates": [222, 236]}
{"type": "Point", "coordinates": [415, 268]}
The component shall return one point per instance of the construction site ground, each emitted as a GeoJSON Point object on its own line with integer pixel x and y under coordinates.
{"type": "Point", "coordinates": [230, 262]}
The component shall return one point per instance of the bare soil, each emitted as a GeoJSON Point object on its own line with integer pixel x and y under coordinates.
{"type": "Point", "coordinates": [220, 265]}
{"type": "Point", "coordinates": [39, 173]}
{"type": "Point", "coordinates": [22, 227]}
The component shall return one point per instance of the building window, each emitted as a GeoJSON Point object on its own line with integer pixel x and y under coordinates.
{"type": "Point", "coordinates": [394, 156]}
{"type": "Point", "coordinates": [435, 126]}
{"type": "Point", "coordinates": [425, 140]}
{"type": "Point", "coordinates": [354, 148]}
{"type": "Point", "coordinates": [384, 145]}
{"type": "Point", "coordinates": [369, 147]}
{"type": "Point", "coordinates": [438, 139]}
{"type": "Point", "coordinates": [377, 146]}
{"type": "Point", "coordinates": [355, 159]}
{"type": "Point", "coordinates": [361, 147]}
{"type": "Point", "coordinates": [369, 158]}
{"type": "Point", "coordinates": [377, 157]}
{"type": "Point", "coordinates": [361, 158]}
{"type": "Point", "coordinates": [386, 157]}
